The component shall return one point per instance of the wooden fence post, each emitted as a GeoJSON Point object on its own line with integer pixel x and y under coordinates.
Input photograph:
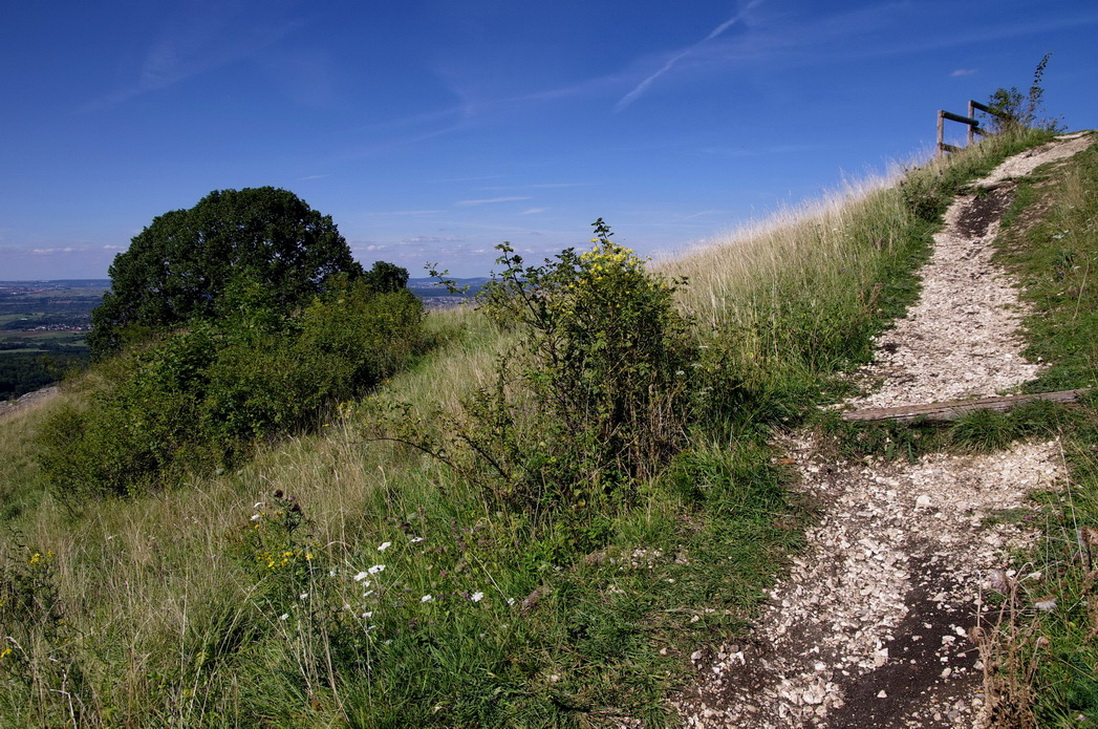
{"type": "Point", "coordinates": [941, 132]}
{"type": "Point", "coordinates": [970, 120]}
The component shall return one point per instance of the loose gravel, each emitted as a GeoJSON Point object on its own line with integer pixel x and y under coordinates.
{"type": "Point", "coordinates": [871, 626]}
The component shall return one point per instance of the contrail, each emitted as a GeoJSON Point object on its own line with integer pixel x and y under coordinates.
{"type": "Point", "coordinates": [643, 85]}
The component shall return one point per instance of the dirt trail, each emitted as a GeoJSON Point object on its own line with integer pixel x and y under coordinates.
{"type": "Point", "coordinates": [870, 628]}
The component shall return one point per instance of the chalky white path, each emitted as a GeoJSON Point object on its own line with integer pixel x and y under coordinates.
{"type": "Point", "coordinates": [961, 338]}
{"type": "Point", "coordinates": [881, 600]}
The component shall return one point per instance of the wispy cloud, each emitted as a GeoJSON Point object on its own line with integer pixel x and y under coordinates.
{"type": "Point", "coordinates": [883, 30]}
{"type": "Point", "coordinates": [490, 201]}
{"type": "Point", "coordinates": [533, 211]}
{"type": "Point", "coordinates": [479, 178]}
{"type": "Point", "coordinates": [432, 239]}
{"type": "Point", "coordinates": [764, 151]}
{"type": "Point", "coordinates": [534, 186]}
{"type": "Point", "coordinates": [963, 72]}
{"type": "Point", "coordinates": [54, 251]}
{"type": "Point", "coordinates": [406, 212]}
{"type": "Point", "coordinates": [643, 86]}
{"type": "Point", "coordinates": [701, 214]}
{"type": "Point", "coordinates": [204, 37]}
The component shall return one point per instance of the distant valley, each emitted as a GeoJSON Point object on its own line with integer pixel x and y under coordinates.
{"type": "Point", "coordinates": [43, 325]}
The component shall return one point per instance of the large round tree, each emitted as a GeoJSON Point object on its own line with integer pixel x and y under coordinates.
{"type": "Point", "coordinates": [180, 267]}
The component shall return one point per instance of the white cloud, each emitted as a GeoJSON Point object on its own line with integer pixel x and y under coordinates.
{"type": "Point", "coordinates": [533, 211]}
{"type": "Point", "coordinates": [963, 72]}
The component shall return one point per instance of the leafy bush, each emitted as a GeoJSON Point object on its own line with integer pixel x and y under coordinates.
{"type": "Point", "coordinates": [200, 398]}
{"type": "Point", "coordinates": [594, 395]}
{"type": "Point", "coordinates": [1013, 112]}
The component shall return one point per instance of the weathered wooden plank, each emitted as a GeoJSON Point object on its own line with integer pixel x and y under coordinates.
{"type": "Point", "coordinates": [958, 118]}
{"type": "Point", "coordinates": [988, 109]}
{"type": "Point", "coordinates": [941, 411]}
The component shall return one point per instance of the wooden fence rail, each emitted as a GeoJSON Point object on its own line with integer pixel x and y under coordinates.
{"type": "Point", "coordinates": [971, 120]}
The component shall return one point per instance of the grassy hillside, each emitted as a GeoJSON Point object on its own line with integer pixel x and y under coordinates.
{"type": "Point", "coordinates": [1048, 659]}
{"type": "Point", "coordinates": [344, 578]}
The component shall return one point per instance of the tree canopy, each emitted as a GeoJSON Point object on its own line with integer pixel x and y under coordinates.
{"type": "Point", "coordinates": [386, 278]}
{"type": "Point", "coordinates": [184, 263]}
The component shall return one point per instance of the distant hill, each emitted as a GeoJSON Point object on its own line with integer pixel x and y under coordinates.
{"type": "Point", "coordinates": [433, 294]}
{"type": "Point", "coordinates": [78, 294]}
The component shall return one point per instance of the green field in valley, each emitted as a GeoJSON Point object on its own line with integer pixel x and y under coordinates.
{"type": "Point", "coordinates": [42, 330]}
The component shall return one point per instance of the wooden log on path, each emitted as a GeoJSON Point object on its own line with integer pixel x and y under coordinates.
{"type": "Point", "coordinates": [943, 411]}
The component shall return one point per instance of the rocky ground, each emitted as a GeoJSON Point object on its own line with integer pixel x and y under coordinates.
{"type": "Point", "coordinates": [872, 626]}
{"type": "Point", "coordinates": [8, 407]}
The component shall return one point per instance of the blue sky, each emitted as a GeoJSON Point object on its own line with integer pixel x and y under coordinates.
{"type": "Point", "coordinates": [432, 130]}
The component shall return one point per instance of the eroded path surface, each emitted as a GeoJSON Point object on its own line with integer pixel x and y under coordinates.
{"type": "Point", "coordinates": [871, 627]}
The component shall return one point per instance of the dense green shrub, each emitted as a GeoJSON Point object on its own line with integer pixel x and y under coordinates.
{"type": "Point", "coordinates": [1012, 112]}
{"type": "Point", "coordinates": [201, 397]}
{"type": "Point", "coordinates": [594, 395]}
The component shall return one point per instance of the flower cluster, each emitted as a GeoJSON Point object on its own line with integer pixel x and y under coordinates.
{"type": "Point", "coordinates": [385, 594]}
{"type": "Point", "coordinates": [287, 558]}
